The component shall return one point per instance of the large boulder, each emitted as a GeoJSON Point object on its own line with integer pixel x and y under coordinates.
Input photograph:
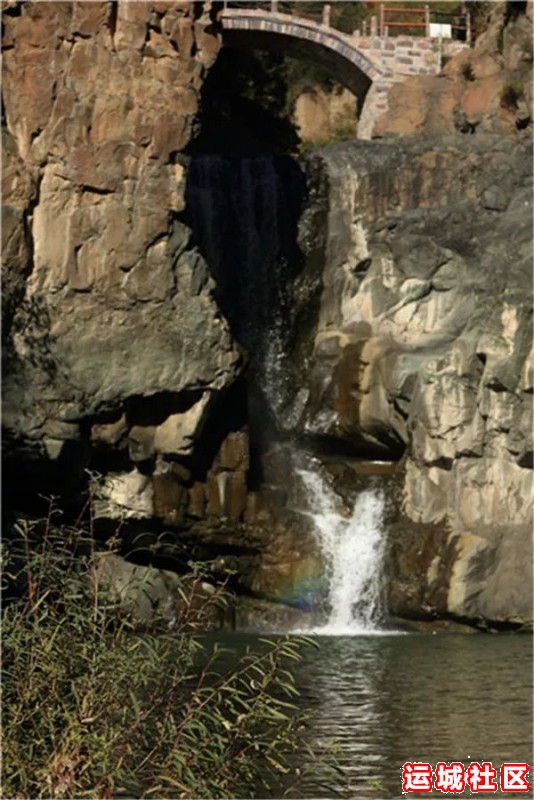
{"type": "Point", "coordinates": [155, 597]}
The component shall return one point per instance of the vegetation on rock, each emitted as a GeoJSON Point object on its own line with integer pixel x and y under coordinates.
{"type": "Point", "coordinates": [511, 93]}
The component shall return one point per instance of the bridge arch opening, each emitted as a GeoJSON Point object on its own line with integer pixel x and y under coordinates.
{"type": "Point", "coordinates": [300, 35]}
{"type": "Point", "coordinates": [245, 106]}
{"type": "Point", "coordinates": [248, 98]}
{"type": "Point", "coordinates": [290, 41]}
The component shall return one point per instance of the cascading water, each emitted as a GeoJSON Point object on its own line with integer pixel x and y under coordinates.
{"type": "Point", "coordinates": [244, 213]}
{"type": "Point", "coordinates": [353, 549]}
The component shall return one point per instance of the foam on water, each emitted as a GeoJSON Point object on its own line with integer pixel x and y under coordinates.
{"type": "Point", "coordinates": [353, 550]}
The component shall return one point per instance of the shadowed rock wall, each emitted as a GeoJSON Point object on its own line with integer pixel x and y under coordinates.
{"type": "Point", "coordinates": [116, 354]}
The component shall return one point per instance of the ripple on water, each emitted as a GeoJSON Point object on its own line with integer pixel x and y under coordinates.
{"type": "Point", "coordinates": [389, 699]}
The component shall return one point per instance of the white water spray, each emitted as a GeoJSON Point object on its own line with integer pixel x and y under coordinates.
{"type": "Point", "coordinates": [353, 549]}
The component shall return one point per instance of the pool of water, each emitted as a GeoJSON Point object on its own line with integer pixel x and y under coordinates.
{"type": "Point", "coordinates": [396, 698]}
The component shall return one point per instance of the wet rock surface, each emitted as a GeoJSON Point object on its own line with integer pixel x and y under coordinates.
{"type": "Point", "coordinates": [260, 616]}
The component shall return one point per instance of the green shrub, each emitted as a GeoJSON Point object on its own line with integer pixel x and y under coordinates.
{"type": "Point", "coordinates": [338, 136]}
{"type": "Point", "coordinates": [93, 708]}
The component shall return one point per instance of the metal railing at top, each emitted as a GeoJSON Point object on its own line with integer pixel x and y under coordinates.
{"type": "Point", "coordinates": [422, 18]}
{"type": "Point", "coordinates": [423, 21]}
{"type": "Point", "coordinates": [392, 20]}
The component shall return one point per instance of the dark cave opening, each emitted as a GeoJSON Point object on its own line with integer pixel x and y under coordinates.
{"type": "Point", "coordinates": [244, 105]}
{"type": "Point", "coordinates": [245, 195]}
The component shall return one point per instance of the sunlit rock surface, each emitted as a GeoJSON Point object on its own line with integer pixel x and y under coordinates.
{"type": "Point", "coordinates": [421, 344]}
{"type": "Point", "coordinates": [116, 303]}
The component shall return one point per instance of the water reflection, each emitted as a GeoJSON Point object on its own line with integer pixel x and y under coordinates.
{"type": "Point", "coordinates": [418, 698]}
{"type": "Point", "coordinates": [391, 699]}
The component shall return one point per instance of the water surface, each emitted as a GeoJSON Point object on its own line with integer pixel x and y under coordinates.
{"type": "Point", "coordinates": [391, 699]}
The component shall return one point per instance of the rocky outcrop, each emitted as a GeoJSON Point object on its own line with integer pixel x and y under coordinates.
{"type": "Point", "coordinates": [117, 356]}
{"type": "Point", "coordinates": [152, 597]}
{"type": "Point", "coordinates": [107, 302]}
{"type": "Point", "coordinates": [420, 347]}
{"type": "Point", "coordinates": [325, 116]}
{"type": "Point", "coordinates": [485, 89]}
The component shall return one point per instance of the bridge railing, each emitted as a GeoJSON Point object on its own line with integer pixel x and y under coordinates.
{"type": "Point", "coordinates": [424, 21]}
{"type": "Point", "coordinates": [393, 19]}
{"type": "Point", "coordinates": [460, 24]}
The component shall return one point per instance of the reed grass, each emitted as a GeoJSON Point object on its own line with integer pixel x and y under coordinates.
{"type": "Point", "coordinates": [95, 708]}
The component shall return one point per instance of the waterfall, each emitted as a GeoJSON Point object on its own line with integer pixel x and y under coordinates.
{"type": "Point", "coordinates": [244, 216]}
{"type": "Point", "coordinates": [353, 549]}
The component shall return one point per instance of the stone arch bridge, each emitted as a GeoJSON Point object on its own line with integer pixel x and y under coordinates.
{"type": "Point", "coordinates": [368, 65]}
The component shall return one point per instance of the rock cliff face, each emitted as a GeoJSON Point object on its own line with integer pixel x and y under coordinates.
{"type": "Point", "coordinates": [106, 302]}
{"type": "Point", "coordinates": [117, 356]}
{"type": "Point", "coordinates": [421, 344]}
{"type": "Point", "coordinates": [407, 320]}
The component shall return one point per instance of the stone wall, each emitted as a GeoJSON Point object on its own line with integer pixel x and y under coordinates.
{"type": "Point", "coordinates": [400, 58]}
{"type": "Point", "coordinates": [403, 55]}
